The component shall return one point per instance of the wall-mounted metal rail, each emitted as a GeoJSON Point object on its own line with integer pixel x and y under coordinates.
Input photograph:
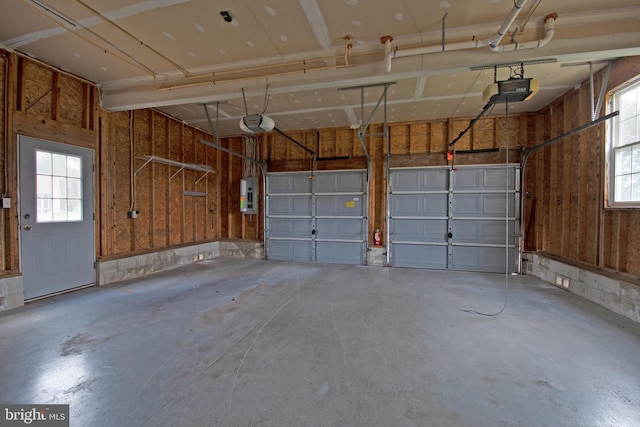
{"type": "Point", "coordinates": [180, 165]}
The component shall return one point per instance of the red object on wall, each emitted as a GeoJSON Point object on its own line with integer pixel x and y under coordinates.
{"type": "Point", "coordinates": [377, 237]}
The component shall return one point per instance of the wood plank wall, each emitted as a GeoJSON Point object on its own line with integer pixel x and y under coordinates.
{"type": "Point", "coordinates": [565, 181]}
{"type": "Point", "coordinates": [177, 206]}
{"type": "Point", "coordinates": [565, 214]}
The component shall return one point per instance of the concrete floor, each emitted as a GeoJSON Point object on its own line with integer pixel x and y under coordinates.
{"type": "Point", "coordinates": [238, 342]}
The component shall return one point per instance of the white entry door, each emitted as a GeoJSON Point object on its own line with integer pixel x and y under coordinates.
{"type": "Point", "coordinates": [57, 249]}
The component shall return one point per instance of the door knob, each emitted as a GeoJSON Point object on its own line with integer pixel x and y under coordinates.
{"type": "Point", "coordinates": [28, 227]}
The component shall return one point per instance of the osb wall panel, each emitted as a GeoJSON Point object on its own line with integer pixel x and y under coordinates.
{"type": "Point", "coordinates": [176, 199]}
{"type": "Point", "coordinates": [160, 198]}
{"type": "Point", "coordinates": [123, 236]}
{"type": "Point", "coordinates": [566, 184]}
{"type": "Point", "coordinates": [168, 216]}
{"type": "Point", "coordinates": [73, 96]}
{"type": "Point", "coordinates": [233, 189]}
{"type": "Point", "coordinates": [187, 179]}
{"type": "Point", "coordinates": [143, 181]}
{"type": "Point", "coordinates": [36, 89]}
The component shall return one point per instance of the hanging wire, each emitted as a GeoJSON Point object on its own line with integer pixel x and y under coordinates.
{"type": "Point", "coordinates": [466, 93]}
{"type": "Point", "coordinates": [506, 225]}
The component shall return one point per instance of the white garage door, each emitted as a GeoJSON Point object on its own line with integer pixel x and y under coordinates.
{"type": "Point", "coordinates": [456, 219]}
{"type": "Point", "coordinates": [318, 216]}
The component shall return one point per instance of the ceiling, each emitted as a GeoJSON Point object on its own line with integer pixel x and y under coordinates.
{"type": "Point", "coordinates": [318, 64]}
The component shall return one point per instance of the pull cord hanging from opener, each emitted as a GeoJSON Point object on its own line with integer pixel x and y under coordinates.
{"type": "Point", "coordinates": [506, 222]}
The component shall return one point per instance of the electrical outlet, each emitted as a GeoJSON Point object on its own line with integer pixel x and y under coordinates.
{"type": "Point", "coordinates": [133, 213]}
{"type": "Point", "coordinates": [6, 203]}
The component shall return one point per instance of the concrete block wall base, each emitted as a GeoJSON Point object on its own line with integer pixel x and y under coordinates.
{"type": "Point", "coordinates": [241, 248]}
{"type": "Point", "coordinates": [117, 270]}
{"type": "Point", "coordinates": [11, 292]}
{"type": "Point", "coordinates": [376, 256]}
{"type": "Point", "coordinates": [616, 295]}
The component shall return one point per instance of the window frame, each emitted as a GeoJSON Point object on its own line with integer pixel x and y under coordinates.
{"type": "Point", "coordinates": [49, 200]}
{"type": "Point", "coordinates": [611, 134]}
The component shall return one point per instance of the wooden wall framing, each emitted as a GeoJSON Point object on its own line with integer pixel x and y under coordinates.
{"type": "Point", "coordinates": [565, 213]}
{"type": "Point", "coordinates": [565, 180]}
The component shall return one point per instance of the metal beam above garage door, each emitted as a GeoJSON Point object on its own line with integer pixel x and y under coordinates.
{"type": "Point", "coordinates": [460, 219]}
{"type": "Point", "coordinates": [319, 216]}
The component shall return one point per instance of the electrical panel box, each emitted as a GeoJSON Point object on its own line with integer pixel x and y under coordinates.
{"type": "Point", "coordinates": [249, 195]}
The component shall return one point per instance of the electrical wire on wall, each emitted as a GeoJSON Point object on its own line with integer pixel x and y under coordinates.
{"type": "Point", "coordinates": [5, 187]}
{"type": "Point", "coordinates": [506, 223]}
{"type": "Point", "coordinates": [249, 169]}
{"type": "Point", "coordinates": [131, 170]}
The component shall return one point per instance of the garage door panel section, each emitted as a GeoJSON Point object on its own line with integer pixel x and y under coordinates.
{"type": "Point", "coordinates": [290, 205]}
{"type": "Point", "coordinates": [485, 259]}
{"type": "Point", "coordinates": [339, 216]}
{"type": "Point", "coordinates": [416, 180]}
{"type": "Point", "coordinates": [290, 227]}
{"type": "Point", "coordinates": [298, 183]}
{"type": "Point", "coordinates": [483, 205]}
{"type": "Point", "coordinates": [463, 219]}
{"type": "Point", "coordinates": [326, 213]}
{"type": "Point", "coordinates": [484, 218]}
{"type": "Point", "coordinates": [416, 204]}
{"type": "Point", "coordinates": [288, 215]}
{"type": "Point", "coordinates": [420, 256]}
{"type": "Point", "coordinates": [339, 229]}
{"type": "Point", "coordinates": [339, 252]}
{"type": "Point", "coordinates": [339, 182]}
{"type": "Point", "coordinates": [289, 250]}
{"type": "Point", "coordinates": [419, 230]}
{"type": "Point", "coordinates": [483, 232]}
{"type": "Point", "coordinates": [339, 205]}
{"type": "Point", "coordinates": [418, 217]}
{"type": "Point", "coordinates": [483, 178]}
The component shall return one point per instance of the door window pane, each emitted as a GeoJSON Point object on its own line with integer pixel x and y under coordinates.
{"type": "Point", "coordinates": [74, 188]}
{"type": "Point", "coordinates": [58, 187]}
{"type": "Point", "coordinates": [59, 165]}
{"type": "Point", "coordinates": [43, 163]}
{"type": "Point", "coordinates": [73, 167]}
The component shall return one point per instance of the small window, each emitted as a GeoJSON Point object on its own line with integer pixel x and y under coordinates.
{"type": "Point", "coordinates": [623, 147]}
{"type": "Point", "coordinates": [58, 187]}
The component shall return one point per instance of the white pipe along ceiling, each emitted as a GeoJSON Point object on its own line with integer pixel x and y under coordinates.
{"type": "Point", "coordinates": [493, 42]}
